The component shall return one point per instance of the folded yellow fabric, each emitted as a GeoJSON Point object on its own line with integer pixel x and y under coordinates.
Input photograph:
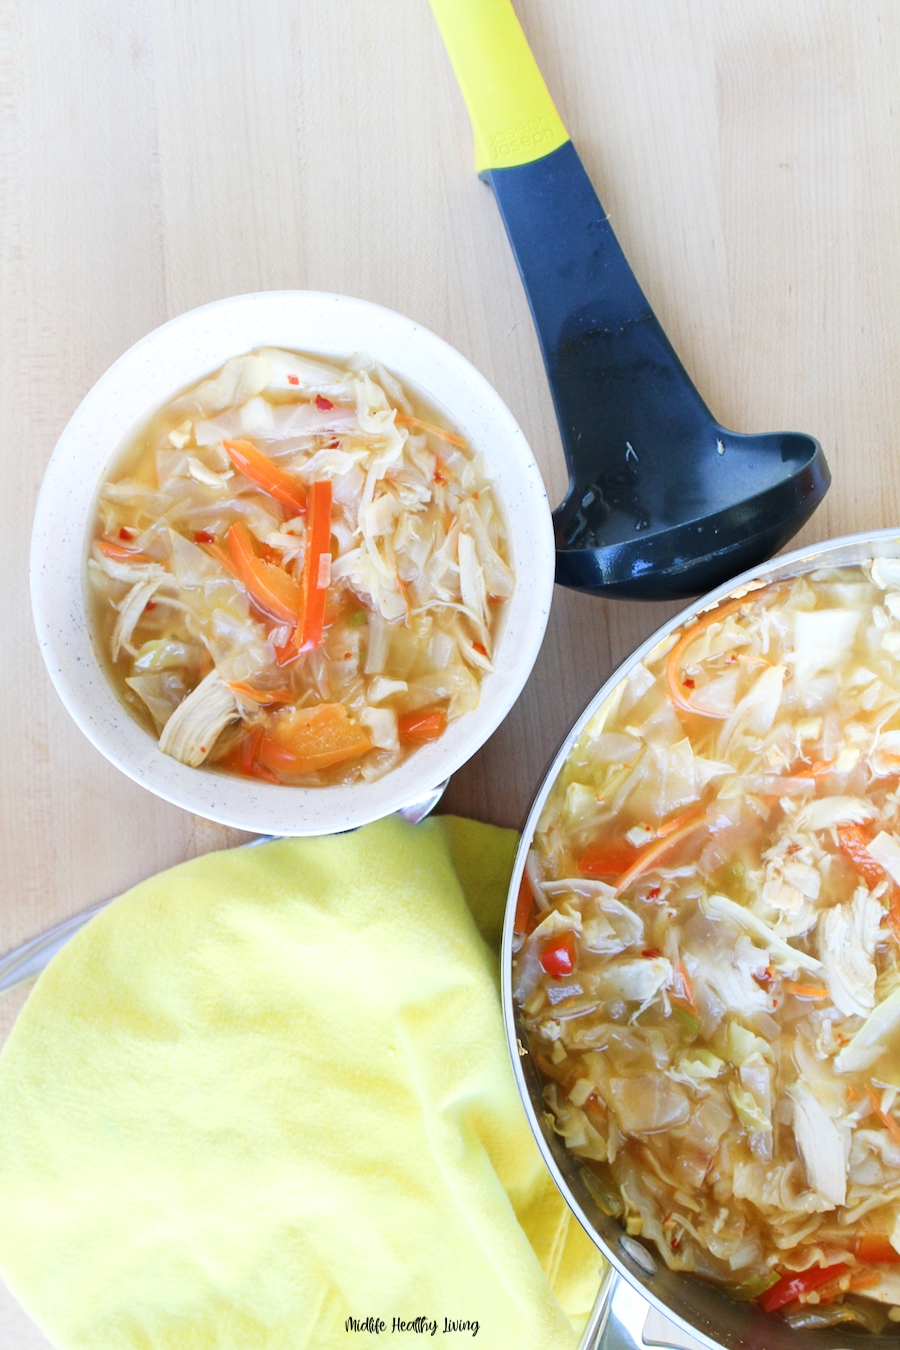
{"type": "Point", "coordinates": [264, 1101]}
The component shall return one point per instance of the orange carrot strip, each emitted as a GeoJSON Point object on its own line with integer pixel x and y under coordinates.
{"type": "Point", "coordinates": [876, 1249]}
{"type": "Point", "coordinates": [401, 587]}
{"type": "Point", "coordinates": [264, 697]}
{"type": "Point", "coordinates": [289, 650]}
{"type": "Point", "coordinates": [864, 1279]}
{"type": "Point", "coordinates": [215, 550]}
{"type": "Point", "coordinates": [271, 587]}
{"type": "Point", "coordinates": [853, 841]}
{"type": "Point", "coordinates": [317, 566]}
{"type": "Point", "coordinates": [806, 990]}
{"type": "Point", "coordinates": [687, 639]}
{"type": "Point", "coordinates": [670, 826]}
{"type": "Point", "coordinates": [687, 986]}
{"type": "Point", "coordinates": [267, 475]}
{"type": "Point", "coordinates": [595, 1110]}
{"type": "Point", "coordinates": [113, 550]}
{"type": "Point", "coordinates": [250, 748]}
{"type": "Point", "coordinates": [894, 912]}
{"type": "Point", "coordinates": [435, 431]}
{"type": "Point", "coordinates": [887, 1121]}
{"type": "Point", "coordinates": [524, 906]}
{"type": "Point", "coordinates": [427, 725]}
{"type": "Point", "coordinates": [652, 852]}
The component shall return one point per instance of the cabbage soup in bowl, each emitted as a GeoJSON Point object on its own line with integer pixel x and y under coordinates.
{"type": "Point", "coordinates": [292, 562]}
{"type": "Point", "coordinates": [298, 572]}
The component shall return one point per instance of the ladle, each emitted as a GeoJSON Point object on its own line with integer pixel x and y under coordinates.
{"type": "Point", "coordinates": [663, 501]}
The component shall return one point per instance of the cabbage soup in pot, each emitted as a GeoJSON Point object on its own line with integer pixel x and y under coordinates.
{"type": "Point", "coordinates": [707, 947]}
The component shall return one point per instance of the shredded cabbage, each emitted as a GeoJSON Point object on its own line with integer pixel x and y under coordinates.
{"type": "Point", "coordinates": [738, 796]}
{"type": "Point", "coordinates": [413, 566]}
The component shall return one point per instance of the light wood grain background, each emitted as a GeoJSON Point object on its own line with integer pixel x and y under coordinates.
{"type": "Point", "coordinates": [158, 154]}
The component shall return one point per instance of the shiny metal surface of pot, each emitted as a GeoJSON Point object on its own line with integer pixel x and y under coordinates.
{"type": "Point", "coordinates": [688, 1311]}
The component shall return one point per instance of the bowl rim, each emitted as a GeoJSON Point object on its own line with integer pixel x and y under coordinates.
{"type": "Point", "coordinates": [199, 341]}
{"type": "Point", "coordinates": [844, 550]}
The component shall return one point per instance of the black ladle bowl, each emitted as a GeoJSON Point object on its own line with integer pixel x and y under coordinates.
{"type": "Point", "coordinates": [663, 502]}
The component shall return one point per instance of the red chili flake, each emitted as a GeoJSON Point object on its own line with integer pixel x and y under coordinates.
{"type": "Point", "coordinates": [333, 444]}
{"type": "Point", "coordinates": [439, 477]}
{"type": "Point", "coordinates": [323, 404]}
{"type": "Point", "coordinates": [293, 379]}
{"type": "Point", "coordinates": [689, 683]}
{"type": "Point", "coordinates": [151, 604]}
{"type": "Point", "coordinates": [650, 952]}
{"type": "Point", "coordinates": [480, 647]}
{"type": "Point", "coordinates": [126, 534]}
{"type": "Point", "coordinates": [347, 655]}
{"type": "Point", "coordinates": [654, 893]}
{"type": "Point", "coordinates": [675, 1244]}
{"type": "Point", "coordinates": [204, 537]}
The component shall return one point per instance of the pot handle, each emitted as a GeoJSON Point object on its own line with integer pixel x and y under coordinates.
{"type": "Point", "coordinates": [617, 1317]}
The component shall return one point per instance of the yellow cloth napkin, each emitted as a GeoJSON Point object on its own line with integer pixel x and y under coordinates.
{"type": "Point", "coordinates": [267, 1092]}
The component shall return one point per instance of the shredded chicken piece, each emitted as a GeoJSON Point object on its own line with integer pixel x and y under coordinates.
{"type": "Point", "coordinates": [381, 724]}
{"type": "Point", "coordinates": [192, 730]}
{"type": "Point", "coordinates": [792, 885]}
{"type": "Point", "coordinates": [471, 581]}
{"type": "Point", "coordinates": [131, 610]}
{"type": "Point", "coordinates": [820, 1145]}
{"type": "Point", "coordinates": [846, 939]}
{"type": "Point", "coordinates": [828, 811]}
{"type": "Point", "coordinates": [639, 980]}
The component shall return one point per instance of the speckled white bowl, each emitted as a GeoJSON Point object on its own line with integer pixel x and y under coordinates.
{"type": "Point", "coordinates": [178, 354]}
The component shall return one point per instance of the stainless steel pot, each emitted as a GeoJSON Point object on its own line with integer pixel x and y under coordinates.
{"type": "Point", "coordinates": [641, 1302]}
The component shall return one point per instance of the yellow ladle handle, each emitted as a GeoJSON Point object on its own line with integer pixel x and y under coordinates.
{"type": "Point", "coordinates": [512, 113]}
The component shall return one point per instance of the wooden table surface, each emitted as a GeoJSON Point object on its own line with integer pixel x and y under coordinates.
{"type": "Point", "coordinates": [156, 156]}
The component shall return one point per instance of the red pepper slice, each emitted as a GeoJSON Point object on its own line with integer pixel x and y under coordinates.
{"type": "Point", "coordinates": [795, 1283]}
{"type": "Point", "coordinates": [558, 956]}
{"type": "Point", "coordinates": [317, 568]}
{"type": "Point", "coordinates": [114, 550]}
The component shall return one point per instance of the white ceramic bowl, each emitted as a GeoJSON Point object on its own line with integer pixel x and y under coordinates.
{"type": "Point", "coordinates": [152, 371]}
